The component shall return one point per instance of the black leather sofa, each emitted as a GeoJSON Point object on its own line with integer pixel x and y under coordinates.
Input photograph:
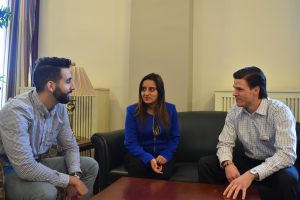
{"type": "Point", "coordinates": [199, 136]}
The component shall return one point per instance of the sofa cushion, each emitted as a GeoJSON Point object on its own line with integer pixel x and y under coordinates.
{"type": "Point", "coordinates": [116, 173]}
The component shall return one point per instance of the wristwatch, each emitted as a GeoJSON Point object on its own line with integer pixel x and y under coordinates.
{"type": "Point", "coordinates": [76, 174]}
{"type": "Point", "coordinates": [255, 173]}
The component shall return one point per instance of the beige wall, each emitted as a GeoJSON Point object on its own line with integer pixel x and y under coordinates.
{"type": "Point", "coordinates": [161, 42]}
{"type": "Point", "coordinates": [97, 35]}
{"type": "Point", "coordinates": [232, 34]}
{"type": "Point", "coordinates": [195, 45]}
{"type": "Point", "coordinates": [94, 34]}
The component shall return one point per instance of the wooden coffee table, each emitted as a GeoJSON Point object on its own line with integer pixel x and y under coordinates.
{"type": "Point", "coordinates": [149, 189]}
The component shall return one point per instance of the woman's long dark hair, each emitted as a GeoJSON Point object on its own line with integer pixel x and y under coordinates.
{"type": "Point", "coordinates": [160, 109]}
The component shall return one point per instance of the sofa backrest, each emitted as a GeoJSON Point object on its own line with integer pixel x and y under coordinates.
{"type": "Point", "coordinates": [199, 134]}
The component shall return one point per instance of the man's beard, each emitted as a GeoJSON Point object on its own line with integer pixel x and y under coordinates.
{"type": "Point", "coordinates": [60, 96]}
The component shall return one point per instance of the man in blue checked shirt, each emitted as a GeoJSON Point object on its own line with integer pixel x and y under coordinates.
{"type": "Point", "coordinates": [29, 125]}
{"type": "Point", "coordinates": [266, 129]}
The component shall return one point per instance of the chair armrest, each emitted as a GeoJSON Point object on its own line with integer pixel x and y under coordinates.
{"type": "Point", "coordinates": [109, 153]}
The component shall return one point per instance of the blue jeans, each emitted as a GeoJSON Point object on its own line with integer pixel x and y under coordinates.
{"type": "Point", "coordinates": [16, 188]}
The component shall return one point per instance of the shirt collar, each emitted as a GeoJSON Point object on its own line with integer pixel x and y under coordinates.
{"type": "Point", "coordinates": [41, 107]}
{"type": "Point", "coordinates": [262, 108]}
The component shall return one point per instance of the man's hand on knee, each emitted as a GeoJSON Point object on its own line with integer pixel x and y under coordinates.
{"type": "Point", "coordinates": [78, 185]}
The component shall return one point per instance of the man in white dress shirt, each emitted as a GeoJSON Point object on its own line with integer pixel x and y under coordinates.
{"type": "Point", "coordinates": [266, 130]}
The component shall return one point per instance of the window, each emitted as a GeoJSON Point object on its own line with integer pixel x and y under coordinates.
{"type": "Point", "coordinates": [3, 55]}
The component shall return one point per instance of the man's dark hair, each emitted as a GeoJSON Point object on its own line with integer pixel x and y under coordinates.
{"type": "Point", "coordinates": [48, 69]}
{"type": "Point", "coordinates": [254, 77]}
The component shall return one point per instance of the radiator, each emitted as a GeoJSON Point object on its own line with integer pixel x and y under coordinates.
{"type": "Point", "coordinates": [224, 100]}
{"type": "Point", "coordinates": [81, 120]}
{"type": "Point", "coordinates": [91, 114]}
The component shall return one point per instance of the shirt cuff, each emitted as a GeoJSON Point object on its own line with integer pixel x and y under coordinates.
{"type": "Point", "coordinates": [74, 169]}
{"type": "Point", "coordinates": [64, 180]}
{"type": "Point", "coordinates": [260, 170]}
{"type": "Point", "coordinates": [147, 158]}
{"type": "Point", "coordinates": [223, 158]}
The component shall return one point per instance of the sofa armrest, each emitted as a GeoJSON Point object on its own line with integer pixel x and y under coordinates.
{"type": "Point", "coordinates": [109, 153]}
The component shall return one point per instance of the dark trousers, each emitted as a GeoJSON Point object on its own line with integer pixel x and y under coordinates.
{"type": "Point", "coordinates": [284, 183]}
{"type": "Point", "coordinates": [137, 168]}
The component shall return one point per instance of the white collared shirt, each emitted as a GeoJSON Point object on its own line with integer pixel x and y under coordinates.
{"type": "Point", "coordinates": [268, 134]}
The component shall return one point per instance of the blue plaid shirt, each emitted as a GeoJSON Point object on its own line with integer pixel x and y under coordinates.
{"type": "Point", "coordinates": [28, 130]}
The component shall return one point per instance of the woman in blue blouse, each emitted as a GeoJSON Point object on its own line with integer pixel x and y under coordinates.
{"type": "Point", "coordinates": [151, 132]}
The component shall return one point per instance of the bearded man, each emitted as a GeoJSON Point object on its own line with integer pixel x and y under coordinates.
{"type": "Point", "coordinates": [30, 124]}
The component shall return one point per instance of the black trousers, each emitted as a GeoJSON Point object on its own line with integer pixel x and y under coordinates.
{"type": "Point", "coordinates": [137, 168]}
{"type": "Point", "coordinates": [284, 183]}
